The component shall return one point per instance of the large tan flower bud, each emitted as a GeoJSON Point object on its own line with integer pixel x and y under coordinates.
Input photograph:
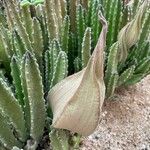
{"type": "Point", "coordinates": [77, 100]}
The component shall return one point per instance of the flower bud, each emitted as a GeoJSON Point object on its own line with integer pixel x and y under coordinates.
{"type": "Point", "coordinates": [77, 100]}
{"type": "Point", "coordinates": [129, 35]}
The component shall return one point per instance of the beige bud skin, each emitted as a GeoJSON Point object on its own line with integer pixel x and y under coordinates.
{"type": "Point", "coordinates": [77, 100]}
{"type": "Point", "coordinates": [129, 34]}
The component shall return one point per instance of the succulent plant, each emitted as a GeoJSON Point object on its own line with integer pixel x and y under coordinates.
{"type": "Point", "coordinates": [44, 41]}
{"type": "Point", "coordinates": [34, 64]}
{"type": "Point", "coordinates": [23, 110]}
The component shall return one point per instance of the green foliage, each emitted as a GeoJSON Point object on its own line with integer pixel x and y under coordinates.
{"type": "Point", "coordinates": [86, 47]}
{"type": "Point", "coordinates": [63, 140]}
{"type": "Point", "coordinates": [7, 136]}
{"type": "Point", "coordinates": [34, 62]}
{"type": "Point", "coordinates": [43, 41]}
{"type": "Point", "coordinates": [128, 27]}
{"type": "Point", "coordinates": [57, 142]}
{"type": "Point", "coordinates": [10, 108]}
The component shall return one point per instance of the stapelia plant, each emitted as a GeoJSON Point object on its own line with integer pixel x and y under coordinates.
{"type": "Point", "coordinates": [32, 62]}
{"type": "Point", "coordinates": [23, 110]}
{"type": "Point", "coordinates": [119, 69]}
{"type": "Point", "coordinates": [43, 41]}
{"type": "Point", "coordinates": [127, 45]}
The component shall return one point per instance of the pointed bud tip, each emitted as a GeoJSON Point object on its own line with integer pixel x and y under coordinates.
{"type": "Point", "coordinates": [102, 18]}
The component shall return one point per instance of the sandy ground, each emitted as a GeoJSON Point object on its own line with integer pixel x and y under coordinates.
{"type": "Point", "coordinates": [125, 121]}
